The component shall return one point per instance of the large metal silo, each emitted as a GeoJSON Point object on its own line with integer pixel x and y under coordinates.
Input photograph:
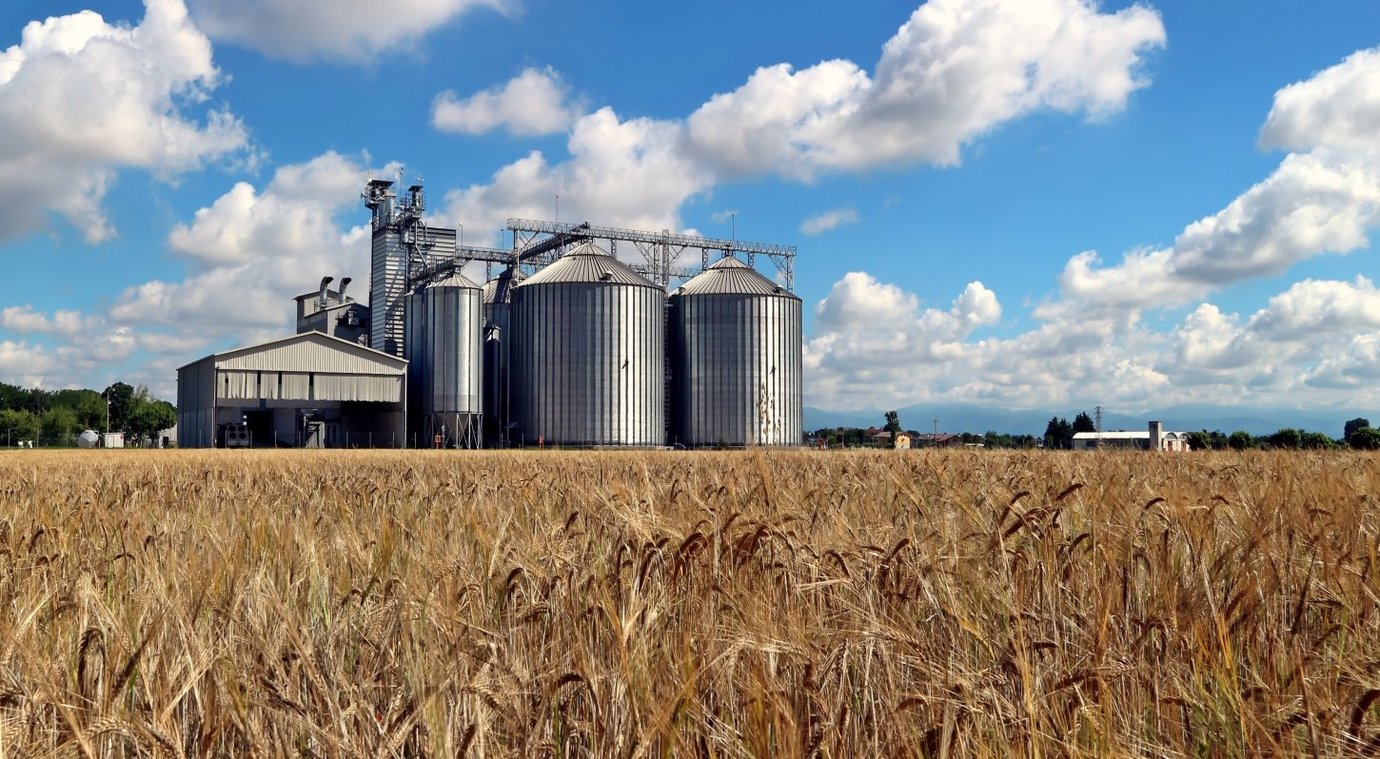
{"type": "Point", "coordinates": [498, 294]}
{"type": "Point", "coordinates": [444, 350]}
{"type": "Point", "coordinates": [588, 354]}
{"type": "Point", "coordinates": [735, 343]}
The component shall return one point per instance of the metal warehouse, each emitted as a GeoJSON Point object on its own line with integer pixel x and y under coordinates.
{"type": "Point", "coordinates": [570, 340]}
{"type": "Point", "coordinates": [309, 390]}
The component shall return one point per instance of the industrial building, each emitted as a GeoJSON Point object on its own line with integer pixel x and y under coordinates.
{"type": "Point", "coordinates": [309, 390]}
{"type": "Point", "coordinates": [1153, 438]}
{"type": "Point", "coordinates": [564, 344]}
{"type": "Point", "coordinates": [332, 312]}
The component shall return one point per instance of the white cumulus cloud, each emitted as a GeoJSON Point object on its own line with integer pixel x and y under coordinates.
{"type": "Point", "coordinates": [535, 102]}
{"type": "Point", "coordinates": [622, 172]}
{"type": "Point", "coordinates": [874, 345]}
{"type": "Point", "coordinates": [81, 99]}
{"type": "Point", "coordinates": [335, 29]}
{"type": "Point", "coordinates": [1323, 199]}
{"type": "Point", "coordinates": [1337, 107]}
{"type": "Point", "coordinates": [253, 250]}
{"type": "Point", "coordinates": [827, 220]}
{"type": "Point", "coordinates": [24, 319]}
{"type": "Point", "coordinates": [954, 71]}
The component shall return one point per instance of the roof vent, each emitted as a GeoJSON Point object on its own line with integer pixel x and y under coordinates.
{"type": "Point", "coordinates": [606, 276]}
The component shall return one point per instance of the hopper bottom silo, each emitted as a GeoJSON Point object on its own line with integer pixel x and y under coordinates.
{"type": "Point", "coordinates": [445, 376]}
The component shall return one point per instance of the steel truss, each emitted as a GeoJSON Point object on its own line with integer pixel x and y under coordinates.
{"type": "Point", "coordinates": [538, 243]}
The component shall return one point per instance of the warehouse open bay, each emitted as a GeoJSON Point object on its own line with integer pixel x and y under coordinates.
{"type": "Point", "coordinates": [783, 603]}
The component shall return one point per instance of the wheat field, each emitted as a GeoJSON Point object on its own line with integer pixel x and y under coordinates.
{"type": "Point", "coordinates": [765, 604]}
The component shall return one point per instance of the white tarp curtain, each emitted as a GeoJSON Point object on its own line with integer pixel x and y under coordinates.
{"type": "Point", "coordinates": [268, 385]}
{"type": "Point", "coordinates": [358, 387]}
{"type": "Point", "coordinates": [236, 385]}
{"type": "Point", "coordinates": [296, 386]}
{"type": "Point", "coordinates": [301, 386]}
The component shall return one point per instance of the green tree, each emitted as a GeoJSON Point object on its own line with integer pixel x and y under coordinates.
{"type": "Point", "coordinates": [16, 425]}
{"type": "Point", "coordinates": [11, 397]}
{"type": "Point", "coordinates": [148, 417]}
{"type": "Point", "coordinates": [1059, 434]}
{"type": "Point", "coordinates": [121, 399]}
{"type": "Point", "coordinates": [893, 423]}
{"type": "Point", "coordinates": [57, 425]}
{"type": "Point", "coordinates": [1365, 439]}
{"type": "Point", "coordinates": [87, 405]}
{"type": "Point", "coordinates": [1286, 438]}
{"type": "Point", "coordinates": [1316, 441]}
{"type": "Point", "coordinates": [1084, 423]}
{"type": "Point", "coordinates": [1199, 441]}
{"type": "Point", "coordinates": [1352, 426]}
{"type": "Point", "coordinates": [1240, 440]}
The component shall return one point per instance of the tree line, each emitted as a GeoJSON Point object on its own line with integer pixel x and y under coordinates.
{"type": "Point", "coordinates": [1357, 433]}
{"type": "Point", "coordinates": [53, 418]}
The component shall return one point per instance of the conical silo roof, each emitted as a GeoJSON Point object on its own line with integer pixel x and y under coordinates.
{"type": "Point", "coordinates": [455, 279]}
{"type": "Point", "coordinates": [588, 263]}
{"type": "Point", "coordinates": [729, 276]}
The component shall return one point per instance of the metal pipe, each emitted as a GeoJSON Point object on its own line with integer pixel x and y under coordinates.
{"type": "Point", "coordinates": [321, 303]}
{"type": "Point", "coordinates": [344, 283]}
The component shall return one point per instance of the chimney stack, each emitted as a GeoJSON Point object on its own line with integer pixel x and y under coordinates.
{"type": "Point", "coordinates": [344, 283]}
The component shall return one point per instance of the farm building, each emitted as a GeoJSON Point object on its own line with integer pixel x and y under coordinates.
{"type": "Point", "coordinates": [310, 390]}
{"type": "Point", "coordinates": [1154, 438]}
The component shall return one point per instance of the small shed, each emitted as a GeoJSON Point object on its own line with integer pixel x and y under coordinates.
{"type": "Point", "coordinates": [305, 390]}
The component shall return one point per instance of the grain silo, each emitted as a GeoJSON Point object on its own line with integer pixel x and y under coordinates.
{"type": "Point", "coordinates": [498, 294]}
{"type": "Point", "coordinates": [588, 354]}
{"type": "Point", "coordinates": [445, 374]}
{"type": "Point", "coordinates": [734, 338]}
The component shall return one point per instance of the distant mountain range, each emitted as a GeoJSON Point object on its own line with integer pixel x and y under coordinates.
{"type": "Point", "coordinates": [980, 419]}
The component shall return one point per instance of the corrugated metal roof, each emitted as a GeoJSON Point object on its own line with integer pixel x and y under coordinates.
{"type": "Point", "coordinates": [308, 352]}
{"type": "Point", "coordinates": [455, 279]}
{"type": "Point", "coordinates": [587, 262]}
{"type": "Point", "coordinates": [500, 288]}
{"type": "Point", "coordinates": [729, 276]}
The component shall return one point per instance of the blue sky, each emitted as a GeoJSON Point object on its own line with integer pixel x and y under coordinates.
{"type": "Point", "coordinates": [947, 170]}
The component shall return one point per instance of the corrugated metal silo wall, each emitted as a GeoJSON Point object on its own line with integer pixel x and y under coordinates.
{"type": "Point", "coordinates": [497, 385]}
{"type": "Point", "coordinates": [444, 371]}
{"type": "Point", "coordinates": [454, 373]}
{"type": "Point", "coordinates": [588, 363]}
{"type": "Point", "coordinates": [736, 370]}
